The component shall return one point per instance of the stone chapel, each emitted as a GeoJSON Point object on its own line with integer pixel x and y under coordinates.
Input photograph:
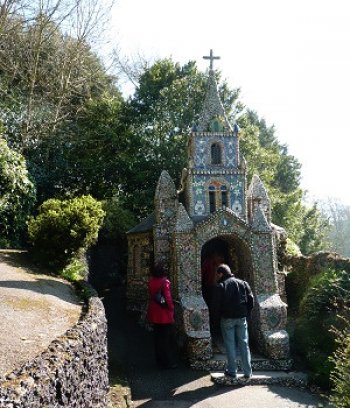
{"type": "Point", "coordinates": [220, 212]}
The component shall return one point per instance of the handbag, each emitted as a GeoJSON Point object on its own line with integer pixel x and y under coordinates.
{"type": "Point", "coordinates": [159, 297]}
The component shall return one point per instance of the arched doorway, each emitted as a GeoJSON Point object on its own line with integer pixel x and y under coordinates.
{"type": "Point", "coordinates": [235, 252]}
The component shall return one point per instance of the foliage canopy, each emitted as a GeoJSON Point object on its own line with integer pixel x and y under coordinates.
{"type": "Point", "coordinates": [63, 111]}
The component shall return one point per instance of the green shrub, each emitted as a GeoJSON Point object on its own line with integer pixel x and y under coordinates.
{"type": "Point", "coordinates": [63, 228]}
{"type": "Point", "coordinates": [340, 376]}
{"type": "Point", "coordinates": [313, 342]}
{"type": "Point", "coordinates": [325, 298]}
{"type": "Point", "coordinates": [303, 271]}
{"type": "Point", "coordinates": [75, 270]}
{"type": "Point", "coordinates": [328, 292]}
{"type": "Point", "coordinates": [17, 196]}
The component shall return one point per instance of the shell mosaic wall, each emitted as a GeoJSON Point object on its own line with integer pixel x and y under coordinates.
{"type": "Point", "coordinates": [219, 212]}
{"type": "Point", "coordinates": [227, 189]}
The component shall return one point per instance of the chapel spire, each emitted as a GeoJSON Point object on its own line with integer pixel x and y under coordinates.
{"type": "Point", "coordinates": [213, 117]}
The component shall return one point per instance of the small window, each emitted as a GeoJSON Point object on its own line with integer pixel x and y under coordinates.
{"type": "Point", "coordinates": [216, 126]}
{"type": "Point", "coordinates": [215, 153]}
{"type": "Point", "coordinates": [223, 196]}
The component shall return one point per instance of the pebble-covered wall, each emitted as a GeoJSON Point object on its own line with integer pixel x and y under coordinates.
{"type": "Point", "coordinates": [72, 372]}
{"type": "Point", "coordinates": [140, 258]}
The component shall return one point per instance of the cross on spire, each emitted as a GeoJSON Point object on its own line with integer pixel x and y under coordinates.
{"type": "Point", "coordinates": [211, 58]}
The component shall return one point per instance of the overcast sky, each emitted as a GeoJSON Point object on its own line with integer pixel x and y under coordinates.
{"type": "Point", "coordinates": [291, 60]}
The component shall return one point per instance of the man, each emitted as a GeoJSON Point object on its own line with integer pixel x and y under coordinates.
{"type": "Point", "coordinates": [233, 302]}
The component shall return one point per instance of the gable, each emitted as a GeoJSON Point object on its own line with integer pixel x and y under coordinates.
{"type": "Point", "coordinates": [221, 222]}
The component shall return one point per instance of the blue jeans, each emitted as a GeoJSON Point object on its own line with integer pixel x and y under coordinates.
{"type": "Point", "coordinates": [236, 330]}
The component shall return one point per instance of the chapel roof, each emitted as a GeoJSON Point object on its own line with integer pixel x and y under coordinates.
{"type": "Point", "coordinates": [145, 225]}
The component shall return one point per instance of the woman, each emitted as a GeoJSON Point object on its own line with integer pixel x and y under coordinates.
{"type": "Point", "coordinates": [162, 318]}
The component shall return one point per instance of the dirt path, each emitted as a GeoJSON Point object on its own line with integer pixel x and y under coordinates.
{"type": "Point", "coordinates": [34, 310]}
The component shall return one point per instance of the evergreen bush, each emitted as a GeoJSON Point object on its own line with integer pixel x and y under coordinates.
{"type": "Point", "coordinates": [304, 268]}
{"type": "Point", "coordinates": [64, 228]}
{"type": "Point", "coordinates": [326, 297]}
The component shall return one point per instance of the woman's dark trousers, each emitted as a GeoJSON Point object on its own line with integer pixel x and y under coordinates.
{"type": "Point", "coordinates": [164, 345]}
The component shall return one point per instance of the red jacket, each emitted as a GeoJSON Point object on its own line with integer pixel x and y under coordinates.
{"type": "Point", "coordinates": [156, 313]}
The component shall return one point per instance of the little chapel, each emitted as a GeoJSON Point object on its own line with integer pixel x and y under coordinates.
{"type": "Point", "coordinates": [221, 212]}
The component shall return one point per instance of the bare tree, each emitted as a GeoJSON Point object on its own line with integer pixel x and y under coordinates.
{"type": "Point", "coordinates": [128, 69]}
{"type": "Point", "coordinates": [45, 48]}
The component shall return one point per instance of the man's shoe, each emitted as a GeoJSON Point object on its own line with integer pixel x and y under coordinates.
{"type": "Point", "coordinates": [228, 374]}
{"type": "Point", "coordinates": [247, 377]}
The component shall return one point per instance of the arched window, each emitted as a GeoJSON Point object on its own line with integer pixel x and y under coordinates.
{"type": "Point", "coordinates": [218, 196]}
{"type": "Point", "coordinates": [215, 153]}
{"type": "Point", "coordinates": [223, 196]}
{"type": "Point", "coordinates": [216, 126]}
{"type": "Point", "coordinates": [212, 199]}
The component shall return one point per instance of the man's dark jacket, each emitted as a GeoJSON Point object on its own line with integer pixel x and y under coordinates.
{"type": "Point", "coordinates": [233, 298]}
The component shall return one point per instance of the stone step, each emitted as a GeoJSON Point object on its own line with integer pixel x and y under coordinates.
{"type": "Point", "coordinates": [259, 363]}
{"type": "Point", "coordinates": [290, 379]}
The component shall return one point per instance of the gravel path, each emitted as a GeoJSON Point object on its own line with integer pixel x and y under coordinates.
{"type": "Point", "coordinates": [34, 310]}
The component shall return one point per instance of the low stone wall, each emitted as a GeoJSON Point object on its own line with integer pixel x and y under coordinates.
{"type": "Point", "coordinates": [72, 372]}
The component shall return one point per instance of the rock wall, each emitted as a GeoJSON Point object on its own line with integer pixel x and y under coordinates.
{"type": "Point", "coordinates": [72, 372]}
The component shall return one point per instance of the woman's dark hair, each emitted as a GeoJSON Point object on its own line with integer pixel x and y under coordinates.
{"type": "Point", "coordinates": [158, 270]}
{"type": "Point", "coordinates": [225, 270]}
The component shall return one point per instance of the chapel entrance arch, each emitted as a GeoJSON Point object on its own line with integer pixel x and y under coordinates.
{"type": "Point", "coordinates": [233, 251]}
